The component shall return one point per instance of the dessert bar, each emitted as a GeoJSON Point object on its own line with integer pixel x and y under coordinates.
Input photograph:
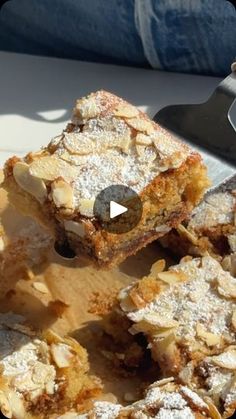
{"type": "Point", "coordinates": [40, 374]}
{"type": "Point", "coordinates": [188, 315]}
{"type": "Point", "coordinates": [211, 228]}
{"type": "Point", "coordinates": [108, 142]}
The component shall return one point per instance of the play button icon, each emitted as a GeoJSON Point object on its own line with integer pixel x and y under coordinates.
{"type": "Point", "coordinates": [118, 209]}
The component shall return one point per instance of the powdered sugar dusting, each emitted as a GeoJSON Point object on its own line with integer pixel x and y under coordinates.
{"type": "Point", "coordinates": [216, 209]}
{"type": "Point", "coordinates": [103, 149]}
{"type": "Point", "coordinates": [181, 301]}
{"type": "Point", "coordinates": [162, 402]}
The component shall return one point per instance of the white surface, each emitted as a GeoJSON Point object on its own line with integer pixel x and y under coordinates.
{"type": "Point", "coordinates": [38, 93]}
{"type": "Point", "coordinates": [116, 209]}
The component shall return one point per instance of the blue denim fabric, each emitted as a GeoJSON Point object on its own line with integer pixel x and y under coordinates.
{"type": "Point", "coordinates": [196, 36]}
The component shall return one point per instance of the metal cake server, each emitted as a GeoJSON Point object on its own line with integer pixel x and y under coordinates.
{"type": "Point", "coordinates": [208, 128]}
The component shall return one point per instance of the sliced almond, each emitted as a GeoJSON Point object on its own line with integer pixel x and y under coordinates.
{"type": "Point", "coordinates": [5, 407]}
{"type": "Point", "coordinates": [170, 277]}
{"type": "Point", "coordinates": [86, 207]}
{"type": "Point", "coordinates": [75, 227]}
{"type": "Point", "coordinates": [61, 354]}
{"type": "Point", "coordinates": [140, 124]}
{"type": "Point", "coordinates": [186, 259]}
{"type": "Point", "coordinates": [79, 143]}
{"type": "Point", "coordinates": [124, 143]}
{"type": "Point", "coordinates": [51, 168]}
{"type": "Point", "coordinates": [126, 111]}
{"type": "Point", "coordinates": [41, 287]}
{"type": "Point", "coordinates": [86, 108]}
{"type": "Point", "coordinates": [227, 286]}
{"type": "Point", "coordinates": [162, 382]}
{"type": "Point", "coordinates": [214, 413]}
{"type": "Point", "coordinates": [195, 400]}
{"type": "Point", "coordinates": [233, 320]}
{"type": "Point", "coordinates": [209, 338]}
{"type": "Point", "coordinates": [143, 139]}
{"type": "Point", "coordinates": [62, 194]}
{"type": "Point", "coordinates": [30, 184]}
{"type": "Point", "coordinates": [140, 150]}
{"type": "Point", "coordinates": [75, 160]}
{"type": "Point", "coordinates": [226, 359]}
{"type": "Point", "coordinates": [16, 405]}
{"type": "Point", "coordinates": [156, 319]}
{"type": "Point", "coordinates": [158, 267]}
{"type": "Point", "coordinates": [187, 234]}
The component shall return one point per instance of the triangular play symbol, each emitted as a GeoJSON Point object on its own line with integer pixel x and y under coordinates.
{"type": "Point", "coordinates": [116, 209]}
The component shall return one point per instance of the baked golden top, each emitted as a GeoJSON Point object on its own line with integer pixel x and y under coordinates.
{"type": "Point", "coordinates": [108, 142]}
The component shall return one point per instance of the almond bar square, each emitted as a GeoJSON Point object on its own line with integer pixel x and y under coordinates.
{"type": "Point", "coordinates": [108, 142]}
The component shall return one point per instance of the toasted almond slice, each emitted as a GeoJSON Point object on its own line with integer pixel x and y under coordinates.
{"type": "Point", "coordinates": [140, 150]}
{"type": "Point", "coordinates": [209, 338]}
{"type": "Point", "coordinates": [75, 160]}
{"type": "Point", "coordinates": [28, 273]}
{"type": "Point", "coordinates": [51, 168]}
{"type": "Point", "coordinates": [30, 184]}
{"type": "Point", "coordinates": [86, 108]}
{"type": "Point", "coordinates": [162, 382]}
{"type": "Point", "coordinates": [79, 143]}
{"type": "Point", "coordinates": [186, 233]}
{"type": "Point", "coordinates": [61, 354]}
{"type": "Point", "coordinates": [214, 413]}
{"type": "Point", "coordinates": [126, 111]}
{"type": "Point", "coordinates": [156, 319]}
{"type": "Point", "coordinates": [143, 139]}
{"type": "Point", "coordinates": [41, 287]}
{"type": "Point", "coordinates": [140, 124]}
{"type": "Point", "coordinates": [86, 207]}
{"type": "Point", "coordinates": [227, 286]}
{"type": "Point", "coordinates": [158, 267]}
{"type": "Point", "coordinates": [124, 143]}
{"type": "Point", "coordinates": [172, 277]}
{"type": "Point", "coordinates": [5, 407]}
{"type": "Point", "coordinates": [62, 194]}
{"type": "Point", "coordinates": [186, 259]}
{"type": "Point", "coordinates": [195, 400]}
{"type": "Point", "coordinates": [75, 227]}
{"type": "Point", "coordinates": [16, 405]}
{"type": "Point", "coordinates": [226, 359]}
{"type": "Point", "coordinates": [233, 320]}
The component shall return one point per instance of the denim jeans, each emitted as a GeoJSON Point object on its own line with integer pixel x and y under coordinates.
{"type": "Point", "coordinates": [194, 36]}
